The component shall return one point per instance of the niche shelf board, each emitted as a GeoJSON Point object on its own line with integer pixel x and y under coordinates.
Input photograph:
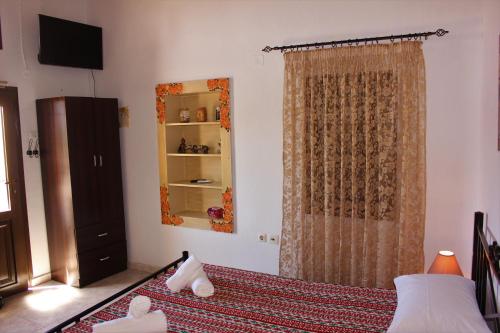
{"type": "Point", "coordinates": [187, 183]}
{"type": "Point", "coordinates": [194, 219]}
{"type": "Point", "coordinates": [192, 213]}
{"type": "Point", "coordinates": [194, 123]}
{"type": "Point", "coordinates": [193, 155]}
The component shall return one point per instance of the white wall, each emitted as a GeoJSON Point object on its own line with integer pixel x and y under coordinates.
{"type": "Point", "coordinates": [490, 156]}
{"type": "Point", "coordinates": [36, 81]}
{"type": "Point", "coordinates": [147, 42]}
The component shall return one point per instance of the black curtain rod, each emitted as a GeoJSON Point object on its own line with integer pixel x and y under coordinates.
{"type": "Point", "coordinates": [357, 41]}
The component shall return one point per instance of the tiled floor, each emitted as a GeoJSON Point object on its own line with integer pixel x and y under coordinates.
{"type": "Point", "coordinates": [51, 303]}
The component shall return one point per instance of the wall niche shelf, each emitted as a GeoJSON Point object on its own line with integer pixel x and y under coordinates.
{"type": "Point", "coordinates": [184, 203]}
{"type": "Point", "coordinates": [192, 155]}
{"type": "Point", "coordinates": [194, 219]}
{"type": "Point", "coordinates": [187, 183]}
{"type": "Point", "coordinates": [206, 123]}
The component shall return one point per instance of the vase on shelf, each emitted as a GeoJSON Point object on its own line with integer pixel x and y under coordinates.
{"type": "Point", "coordinates": [217, 113]}
{"type": "Point", "coordinates": [216, 212]}
{"type": "Point", "coordinates": [184, 115]}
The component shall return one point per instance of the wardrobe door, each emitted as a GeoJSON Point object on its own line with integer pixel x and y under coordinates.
{"type": "Point", "coordinates": [83, 159]}
{"type": "Point", "coordinates": [109, 161]}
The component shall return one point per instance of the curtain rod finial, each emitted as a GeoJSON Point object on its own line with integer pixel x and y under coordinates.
{"type": "Point", "coordinates": [267, 49]}
{"type": "Point", "coordinates": [441, 32]}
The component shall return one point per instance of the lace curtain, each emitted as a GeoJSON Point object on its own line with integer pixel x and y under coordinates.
{"type": "Point", "coordinates": [354, 164]}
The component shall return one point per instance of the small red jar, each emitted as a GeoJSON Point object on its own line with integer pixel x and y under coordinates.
{"type": "Point", "coordinates": [215, 212]}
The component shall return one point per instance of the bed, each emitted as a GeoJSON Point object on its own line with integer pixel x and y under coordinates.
{"type": "Point", "coordinates": [256, 302]}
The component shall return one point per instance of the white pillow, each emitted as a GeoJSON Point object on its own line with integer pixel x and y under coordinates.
{"type": "Point", "coordinates": [436, 303]}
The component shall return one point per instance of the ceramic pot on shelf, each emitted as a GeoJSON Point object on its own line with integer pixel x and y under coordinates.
{"type": "Point", "coordinates": [216, 212]}
{"type": "Point", "coordinates": [184, 115]}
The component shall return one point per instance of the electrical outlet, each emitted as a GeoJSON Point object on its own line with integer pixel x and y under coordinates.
{"type": "Point", "coordinates": [274, 239]}
{"type": "Point", "coordinates": [262, 238]}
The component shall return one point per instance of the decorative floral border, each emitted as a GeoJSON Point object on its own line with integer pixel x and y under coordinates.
{"type": "Point", "coordinates": [223, 86]}
{"type": "Point", "coordinates": [166, 218]}
{"type": "Point", "coordinates": [162, 90]}
{"type": "Point", "coordinates": [226, 224]}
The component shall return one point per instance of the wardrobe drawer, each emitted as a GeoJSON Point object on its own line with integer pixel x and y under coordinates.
{"type": "Point", "coordinates": [97, 264]}
{"type": "Point", "coordinates": [96, 237]}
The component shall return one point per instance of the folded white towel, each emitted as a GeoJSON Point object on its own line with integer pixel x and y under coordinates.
{"type": "Point", "coordinates": [184, 275]}
{"type": "Point", "coordinates": [139, 306]}
{"type": "Point", "coordinates": [191, 274]}
{"type": "Point", "coordinates": [154, 322]}
{"type": "Point", "coordinates": [201, 285]}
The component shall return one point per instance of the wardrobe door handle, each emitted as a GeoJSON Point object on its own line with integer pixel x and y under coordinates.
{"type": "Point", "coordinates": [103, 234]}
{"type": "Point", "coordinates": [95, 161]}
{"type": "Point", "coordinates": [100, 160]}
{"type": "Point", "coordinates": [105, 258]}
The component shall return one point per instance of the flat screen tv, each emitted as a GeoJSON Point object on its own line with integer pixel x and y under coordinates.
{"type": "Point", "coordinates": [67, 43]}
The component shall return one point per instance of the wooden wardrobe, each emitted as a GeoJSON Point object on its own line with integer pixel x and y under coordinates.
{"type": "Point", "coordinates": [82, 187]}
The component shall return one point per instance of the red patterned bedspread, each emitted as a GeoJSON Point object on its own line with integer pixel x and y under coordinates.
{"type": "Point", "coordinates": [255, 302]}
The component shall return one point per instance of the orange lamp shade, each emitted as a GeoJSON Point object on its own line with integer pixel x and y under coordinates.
{"type": "Point", "coordinates": [445, 263]}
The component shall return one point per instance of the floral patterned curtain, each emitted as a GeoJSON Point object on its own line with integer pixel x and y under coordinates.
{"type": "Point", "coordinates": [354, 164]}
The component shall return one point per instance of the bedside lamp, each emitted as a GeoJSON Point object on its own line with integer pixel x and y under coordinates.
{"type": "Point", "coordinates": [445, 263]}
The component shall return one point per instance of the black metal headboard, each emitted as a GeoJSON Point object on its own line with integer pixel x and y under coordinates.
{"type": "Point", "coordinates": [485, 272]}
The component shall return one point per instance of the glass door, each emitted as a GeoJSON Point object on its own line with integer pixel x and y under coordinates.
{"type": "Point", "coordinates": [4, 183]}
{"type": "Point", "coordinates": [15, 256]}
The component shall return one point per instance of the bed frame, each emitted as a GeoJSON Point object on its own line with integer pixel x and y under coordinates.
{"type": "Point", "coordinates": [485, 272]}
{"type": "Point", "coordinates": [80, 316]}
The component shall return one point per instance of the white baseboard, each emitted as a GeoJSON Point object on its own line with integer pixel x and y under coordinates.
{"type": "Point", "coordinates": [35, 281]}
{"type": "Point", "coordinates": [143, 267]}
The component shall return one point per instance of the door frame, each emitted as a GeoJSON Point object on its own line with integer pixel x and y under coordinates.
{"type": "Point", "coordinates": [22, 214]}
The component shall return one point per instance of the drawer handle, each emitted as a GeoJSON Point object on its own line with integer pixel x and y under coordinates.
{"type": "Point", "coordinates": [105, 258]}
{"type": "Point", "coordinates": [103, 234]}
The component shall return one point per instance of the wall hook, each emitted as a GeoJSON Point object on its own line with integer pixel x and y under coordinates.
{"type": "Point", "coordinates": [29, 152]}
{"type": "Point", "coordinates": [36, 152]}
